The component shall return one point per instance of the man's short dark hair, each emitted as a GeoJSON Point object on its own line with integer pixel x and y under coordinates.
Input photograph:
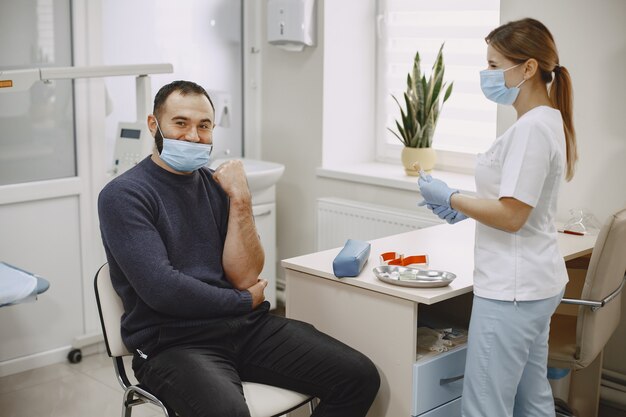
{"type": "Point", "coordinates": [182, 87]}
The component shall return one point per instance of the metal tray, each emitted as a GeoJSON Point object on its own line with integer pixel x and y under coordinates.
{"type": "Point", "coordinates": [413, 277]}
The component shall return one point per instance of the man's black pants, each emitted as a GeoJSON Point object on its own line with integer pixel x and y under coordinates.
{"type": "Point", "coordinates": [198, 371]}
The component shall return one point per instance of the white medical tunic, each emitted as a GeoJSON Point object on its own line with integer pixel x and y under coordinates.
{"type": "Point", "coordinates": [527, 163]}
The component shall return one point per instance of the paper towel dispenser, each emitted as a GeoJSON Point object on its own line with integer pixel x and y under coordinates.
{"type": "Point", "coordinates": [291, 24]}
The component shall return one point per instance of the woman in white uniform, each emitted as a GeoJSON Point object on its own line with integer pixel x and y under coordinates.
{"type": "Point", "coordinates": [519, 275]}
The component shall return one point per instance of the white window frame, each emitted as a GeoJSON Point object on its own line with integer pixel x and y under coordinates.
{"type": "Point", "coordinates": [460, 160]}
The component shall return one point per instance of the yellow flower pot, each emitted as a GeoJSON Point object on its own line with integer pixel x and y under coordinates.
{"type": "Point", "coordinates": [425, 156]}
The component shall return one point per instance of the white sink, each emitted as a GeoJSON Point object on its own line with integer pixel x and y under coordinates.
{"type": "Point", "coordinates": [260, 174]}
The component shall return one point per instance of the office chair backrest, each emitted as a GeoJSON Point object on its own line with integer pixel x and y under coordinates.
{"type": "Point", "coordinates": [605, 274]}
{"type": "Point", "coordinates": [111, 309]}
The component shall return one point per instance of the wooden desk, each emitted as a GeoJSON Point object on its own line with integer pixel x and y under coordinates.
{"type": "Point", "coordinates": [380, 319]}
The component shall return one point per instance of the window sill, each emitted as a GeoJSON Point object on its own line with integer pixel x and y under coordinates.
{"type": "Point", "coordinates": [393, 176]}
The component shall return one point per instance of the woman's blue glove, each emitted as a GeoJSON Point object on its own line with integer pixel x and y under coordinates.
{"type": "Point", "coordinates": [448, 214]}
{"type": "Point", "coordinates": [435, 192]}
{"type": "Point", "coordinates": [442, 211]}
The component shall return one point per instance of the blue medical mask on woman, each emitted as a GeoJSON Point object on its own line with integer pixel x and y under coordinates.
{"type": "Point", "coordinates": [495, 89]}
{"type": "Point", "coordinates": [184, 156]}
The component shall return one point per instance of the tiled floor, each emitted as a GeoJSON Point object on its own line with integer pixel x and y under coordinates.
{"type": "Point", "coordinates": [86, 389]}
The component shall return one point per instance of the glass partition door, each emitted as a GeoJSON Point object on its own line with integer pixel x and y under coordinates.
{"type": "Point", "coordinates": [36, 126]}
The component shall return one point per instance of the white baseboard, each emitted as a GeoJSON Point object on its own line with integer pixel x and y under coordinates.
{"type": "Point", "coordinates": [281, 296]}
{"type": "Point", "coordinates": [37, 360]}
{"type": "Point", "coordinates": [88, 344]}
{"type": "Point", "coordinates": [87, 339]}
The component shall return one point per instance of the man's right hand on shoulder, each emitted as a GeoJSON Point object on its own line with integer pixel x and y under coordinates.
{"type": "Point", "coordinates": [257, 292]}
{"type": "Point", "coordinates": [232, 178]}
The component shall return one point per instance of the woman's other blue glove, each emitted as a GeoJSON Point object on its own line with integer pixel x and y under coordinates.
{"type": "Point", "coordinates": [455, 217]}
{"type": "Point", "coordinates": [441, 211]}
{"type": "Point", "coordinates": [448, 214]}
{"type": "Point", "coordinates": [435, 192]}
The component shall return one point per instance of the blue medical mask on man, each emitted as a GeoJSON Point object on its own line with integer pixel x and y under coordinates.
{"type": "Point", "coordinates": [184, 156]}
{"type": "Point", "coordinates": [494, 87]}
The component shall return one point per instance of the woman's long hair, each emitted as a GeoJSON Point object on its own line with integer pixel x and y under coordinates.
{"type": "Point", "coordinates": [528, 38]}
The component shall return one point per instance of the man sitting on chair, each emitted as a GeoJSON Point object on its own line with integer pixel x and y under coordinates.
{"type": "Point", "coordinates": [185, 258]}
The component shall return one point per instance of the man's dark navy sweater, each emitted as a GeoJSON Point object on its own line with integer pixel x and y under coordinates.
{"type": "Point", "coordinates": [164, 236]}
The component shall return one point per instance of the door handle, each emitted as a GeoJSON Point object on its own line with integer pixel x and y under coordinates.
{"type": "Point", "coordinates": [445, 381]}
{"type": "Point", "coordinates": [263, 213]}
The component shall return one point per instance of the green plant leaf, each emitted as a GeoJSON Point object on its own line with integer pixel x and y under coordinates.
{"type": "Point", "coordinates": [405, 121]}
{"type": "Point", "coordinates": [423, 89]}
{"type": "Point", "coordinates": [407, 118]}
{"type": "Point", "coordinates": [416, 140]}
{"type": "Point", "coordinates": [396, 100]}
{"type": "Point", "coordinates": [418, 120]}
{"type": "Point", "coordinates": [436, 79]}
{"type": "Point", "coordinates": [434, 112]}
{"type": "Point", "coordinates": [404, 139]}
{"type": "Point", "coordinates": [433, 96]}
{"type": "Point", "coordinates": [407, 101]}
{"type": "Point", "coordinates": [448, 92]}
{"type": "Point", "coordinates": [416, 66]}
{"type": "Point", "coordinates": [415, 96]}
{"type": "Point", "coordinates": [429, 130]}
{"type": "Point", "coordinates": [396, 135]}
{"type": "Point", "coordinates": [438, 64]}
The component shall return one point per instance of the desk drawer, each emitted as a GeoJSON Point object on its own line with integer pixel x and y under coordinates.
{"type": "Point", "coordinates": [438, 380]}
{"type": "Point", "coordinates": [451, 409]}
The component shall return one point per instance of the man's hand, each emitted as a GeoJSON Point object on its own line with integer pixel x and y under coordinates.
{"type": "Point", "coordinates": [232, 178]}
{"type": "Point", "coordinates": [257, 291]}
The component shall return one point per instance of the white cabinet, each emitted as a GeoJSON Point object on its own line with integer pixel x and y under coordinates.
{"type": "Point", "coordinates": [437, 381]}
{"type": "Point", "coordinates": [451, 409]}
{"type": "Point", "coordinates": [265, 220]}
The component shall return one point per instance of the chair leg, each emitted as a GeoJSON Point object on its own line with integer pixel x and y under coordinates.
{"type": "Point", "coordinates": [127, 408]}
{"type": "Point", "coordinates": [584, 394]}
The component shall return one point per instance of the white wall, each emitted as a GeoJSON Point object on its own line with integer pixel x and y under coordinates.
{"type": "Point", "coordinates": [348, 66]}
{"type": "Point", "coordinates": [203, 43]}
{"type": "Point", "coordinates": [293, 116]}
{"type": "Point", "coordinates": [295, 123]}
{"type": "Point", "coordinates": [291, 131]}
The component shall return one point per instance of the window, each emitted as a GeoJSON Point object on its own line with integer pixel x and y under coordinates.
{"type": "Point", "coordinates": [467, 123]}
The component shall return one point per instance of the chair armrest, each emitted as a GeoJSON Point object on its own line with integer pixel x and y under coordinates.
{"type": "Point", "coordinates": [595, 305]}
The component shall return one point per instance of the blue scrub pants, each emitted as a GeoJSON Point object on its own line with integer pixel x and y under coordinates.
{"type": "Point", "coordinates": [507, 356]}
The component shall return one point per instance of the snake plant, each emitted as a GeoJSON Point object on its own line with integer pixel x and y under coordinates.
{"type": "Point", "coordinates": [421, 98]}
